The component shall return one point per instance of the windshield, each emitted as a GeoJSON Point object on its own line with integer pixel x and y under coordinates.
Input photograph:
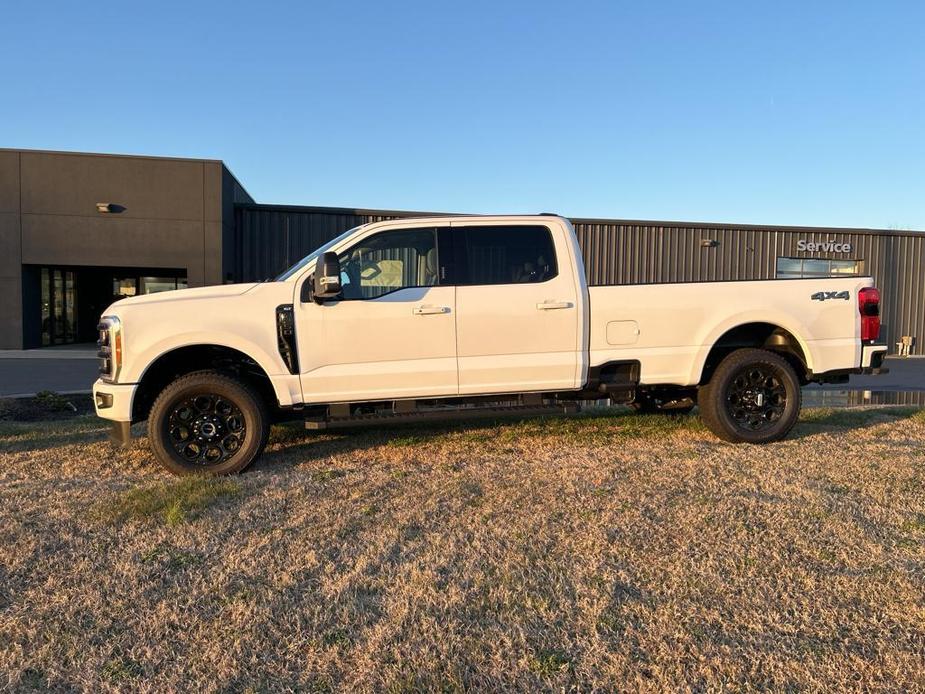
{"type": "Point", "coordinates": [314, 254]}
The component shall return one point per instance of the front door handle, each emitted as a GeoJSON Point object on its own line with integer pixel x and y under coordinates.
{"type": "Point", "coordinates": [552, 305]}
{"type": "Point", "coordinates": [429, 310]}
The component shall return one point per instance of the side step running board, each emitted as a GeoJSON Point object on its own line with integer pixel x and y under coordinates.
{"type": "Point", "coordinates": [399, 415]}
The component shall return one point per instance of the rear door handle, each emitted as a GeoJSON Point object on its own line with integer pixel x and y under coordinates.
{"type": "Point", "coordinates": [429, 310]}
{"type": "Point", "coordinates": [552, 305]}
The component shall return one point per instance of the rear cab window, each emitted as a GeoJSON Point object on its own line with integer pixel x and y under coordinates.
{"type": "Point", "coordinates": [514, 254]}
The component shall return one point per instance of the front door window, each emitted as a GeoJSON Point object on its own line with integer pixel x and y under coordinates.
{"type": "Point", "coordinates": [390, 261]}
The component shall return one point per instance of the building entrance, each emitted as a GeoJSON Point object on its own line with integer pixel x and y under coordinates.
{"type": "Point", "coordinates": [71, 299]}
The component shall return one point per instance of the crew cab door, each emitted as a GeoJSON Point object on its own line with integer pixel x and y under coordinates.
{"type": "Point", "coordinates": [392, 331]}
{"type": "Point", "coordinates": [519, 308]}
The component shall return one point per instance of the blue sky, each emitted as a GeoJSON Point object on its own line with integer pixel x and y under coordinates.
{"type": "Point", "coordinates": [783, 112]}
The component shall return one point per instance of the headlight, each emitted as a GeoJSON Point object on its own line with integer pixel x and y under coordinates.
{"type": "Point", "coordinates": [110, 347]}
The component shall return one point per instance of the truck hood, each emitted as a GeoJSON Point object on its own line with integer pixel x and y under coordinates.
{"type": "Point", "coordinates": [218, 291]}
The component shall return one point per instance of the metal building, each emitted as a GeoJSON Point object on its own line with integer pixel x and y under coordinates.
{"type": "Point", "coordinates": [78, 231]}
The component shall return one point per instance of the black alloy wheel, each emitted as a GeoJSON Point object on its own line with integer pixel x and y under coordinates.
{"type": "Point", "coordinates": [756, 397]}
{"type": "Point", "coordinates": [208, 423]}
{"type": "Point", "coordinates": [753, 396]}
{"type": "Point", "coordinates": [206, 429]}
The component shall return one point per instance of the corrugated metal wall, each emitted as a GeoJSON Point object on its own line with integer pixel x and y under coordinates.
{"type": "Point", "coordinates": [268, 239]}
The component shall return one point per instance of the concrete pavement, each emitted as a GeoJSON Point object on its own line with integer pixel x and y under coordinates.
{"type": "Point", "coordinates": [906, 374]}
{"type": "Point", "coordinates": [63, 370]}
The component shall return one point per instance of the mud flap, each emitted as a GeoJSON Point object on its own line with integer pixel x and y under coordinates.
{"type": "Point", "coordinates": [120, 433]}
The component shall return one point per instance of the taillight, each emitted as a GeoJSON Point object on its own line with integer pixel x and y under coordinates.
{"type": "Point", "coordinates": [869, 306]}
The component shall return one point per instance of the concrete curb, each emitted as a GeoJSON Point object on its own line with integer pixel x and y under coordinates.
{"type": "Point", "coordinates": [42, 354]}
{"type": "Point", "coordinates": [21, 396]}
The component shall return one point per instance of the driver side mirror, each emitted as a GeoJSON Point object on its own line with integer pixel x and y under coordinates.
{"type": "Point", "coordinates": [325, 283]}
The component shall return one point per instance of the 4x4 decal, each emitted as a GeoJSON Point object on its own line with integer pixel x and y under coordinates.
{"type": "Point", "coordinates": [824, 296]}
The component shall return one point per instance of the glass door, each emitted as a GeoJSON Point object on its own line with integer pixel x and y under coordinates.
{"type": "Point", "coordinates": [59, 307]}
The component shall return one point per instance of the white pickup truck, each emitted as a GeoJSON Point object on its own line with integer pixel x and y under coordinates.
{"type": "Point", "coordinates": [463, 316]}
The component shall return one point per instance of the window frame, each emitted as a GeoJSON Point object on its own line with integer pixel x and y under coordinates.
{"type": "Point", "coordinates": [461, 256]}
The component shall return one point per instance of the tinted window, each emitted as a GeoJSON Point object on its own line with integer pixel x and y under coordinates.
{"type": "Point", "coordinates": [796, 268]}
{"type": "Point", "coordinates": [505, 254]}
{"type": "Point", "coordinates": [389, 261]}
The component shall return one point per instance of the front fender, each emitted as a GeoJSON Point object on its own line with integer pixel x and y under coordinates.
{"type": "Point", "coordinates": [142, 357]}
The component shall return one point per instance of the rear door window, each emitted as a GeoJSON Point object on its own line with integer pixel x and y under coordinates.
{"type": "Point", "coordinates": [504, 254]}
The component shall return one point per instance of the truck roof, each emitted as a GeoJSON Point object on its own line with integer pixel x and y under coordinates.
{"type": "Point", "coordinates": [495, 218]}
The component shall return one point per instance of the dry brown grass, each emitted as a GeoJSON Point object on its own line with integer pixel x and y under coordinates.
{"type": "Point", "coordinates": [610, 552]}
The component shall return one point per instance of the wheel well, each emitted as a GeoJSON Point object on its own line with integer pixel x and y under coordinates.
{"type": "Point", "coordinates": [171, 365]}
{"type": "Point", "coordinates": [763, 336]}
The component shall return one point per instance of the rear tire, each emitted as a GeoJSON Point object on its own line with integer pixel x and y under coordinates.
{"type": "Point", "coordinates": [753, 397]}
{"type": "Point", "coordinates": [208, 423]}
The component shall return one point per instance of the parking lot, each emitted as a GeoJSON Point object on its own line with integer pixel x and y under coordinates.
{"type": "Point", "coordinates": [608, 551]}
{"type": "Point", "coordinates": [63, 370]}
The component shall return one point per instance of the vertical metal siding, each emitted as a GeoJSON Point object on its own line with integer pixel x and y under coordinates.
{"type": "Point", "coordinates": [269, 239]}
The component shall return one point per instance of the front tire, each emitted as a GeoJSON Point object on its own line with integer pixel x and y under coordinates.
{"type": "Point", "coordinates": [753, 397]}
{"type": "Point", "coordinates": [208, 423]}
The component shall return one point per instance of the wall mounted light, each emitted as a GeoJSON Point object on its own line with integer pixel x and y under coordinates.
{"type": "Point", "coordinates": [109, 208]}
{"type": "Point", "coordinates": [708, 243]}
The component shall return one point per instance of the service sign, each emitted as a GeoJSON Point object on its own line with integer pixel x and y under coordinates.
{"type": "Point", "coordinates": [823, 247]}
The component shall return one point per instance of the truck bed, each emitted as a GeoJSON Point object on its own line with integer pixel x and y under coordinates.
{"type": "Point", "coordinates": [670, 328]}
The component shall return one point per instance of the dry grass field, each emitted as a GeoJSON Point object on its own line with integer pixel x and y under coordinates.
{"type": "Point", "coordinates": [603, 552]}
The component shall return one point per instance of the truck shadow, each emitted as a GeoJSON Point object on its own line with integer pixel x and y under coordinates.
{"type": "Point", "coordinates": [291, 445]}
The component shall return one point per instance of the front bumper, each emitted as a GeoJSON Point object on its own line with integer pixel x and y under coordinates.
{"type": "Point", "coordinates": [113, 401]}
